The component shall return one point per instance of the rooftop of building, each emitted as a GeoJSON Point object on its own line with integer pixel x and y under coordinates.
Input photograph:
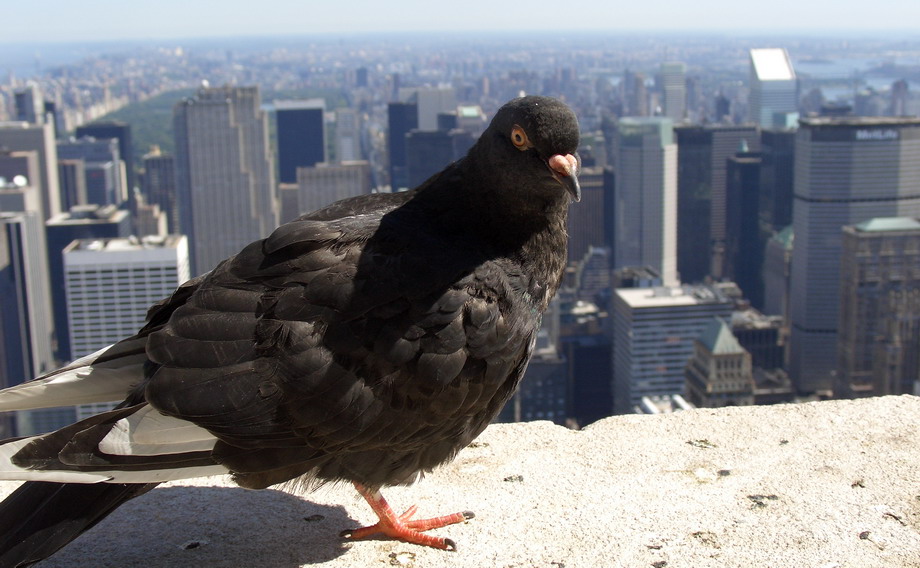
{"type": "Point", "coordinates": [772, 64]}
{"type": "Point", "coordinates": [718, 338]}
{"type": "Point", "coordinates": [125, 244]}
{"type": "Point", "coordinates": [816, 485]}
{"type": "Point", "coordinates": [82, 214]}
{"type": "Point", "coordinates": [666, 296]}
{"type": "Point", "coordinates": [751, 318]}
{"type": "Point", "coordinates": [300, 104]}
{"type": "Point", "coordinates": [887, 224]}
{"type": "Point", "coordinates": [860, 121]}
{"type": "Point", "coordinates": [784, 237]}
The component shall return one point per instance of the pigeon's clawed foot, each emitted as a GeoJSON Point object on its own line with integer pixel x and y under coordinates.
{"type": "Point", "coordinates": [402, 527]}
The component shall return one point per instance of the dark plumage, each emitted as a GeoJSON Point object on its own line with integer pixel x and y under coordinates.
{"type": "Point", "coordinates": [367, 342]}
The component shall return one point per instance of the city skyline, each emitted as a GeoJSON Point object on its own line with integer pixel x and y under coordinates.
{"type": "Point", "coordinates": [111, 21]}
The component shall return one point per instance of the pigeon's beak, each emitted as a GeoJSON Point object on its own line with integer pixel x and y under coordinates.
{"type": "Point", "coordinates": [565, 170]}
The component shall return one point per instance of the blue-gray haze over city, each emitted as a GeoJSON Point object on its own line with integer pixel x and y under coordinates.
{"type": "Point", "coordinates": [678, 102]}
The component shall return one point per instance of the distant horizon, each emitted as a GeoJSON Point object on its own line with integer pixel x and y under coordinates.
{"type": "Point", "coordinates": [63, 21]}
{"type": "Point", "coordinates": [892, 34]}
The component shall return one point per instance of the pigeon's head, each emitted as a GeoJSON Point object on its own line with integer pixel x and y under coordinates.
{"type": "Point", "coordinates": [543, 131]}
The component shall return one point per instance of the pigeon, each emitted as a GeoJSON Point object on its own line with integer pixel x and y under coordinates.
{"type": "Point", "coordinates": [366, 342]}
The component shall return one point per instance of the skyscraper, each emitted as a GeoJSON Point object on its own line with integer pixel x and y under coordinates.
{"type": "Point", "coordinates": [22, 136]}
{"type": "Point", "coordinates": [653, 334]}
{"type": "Point", "coordinates": [848, 170]}
{"type": "Point", "coordinates": [635, 94]}
{"type": "Point", "coordinates": [30, 106]}
{"type": "Point", "coordinates": [589, 224]}
{"type": "Point", "coordinates": [26, 323]}
{"type": "Point", "coordinates": [106, 182]}
{"type": "Point", "coordinates": [703, 152]}
{"type": "Point", "coordinates": [774, 87]}
{"type": "Point", "coordinates": [674, 90]}
{"type": "Point", "coordinates": [225, 181]}
{"type": "Point", "coordinates": [160, 185]}
{"type": "Point", "coordinates": [879, 339]}
{"type": "Point", "coordinates": [777, 268]}
{"type": "Point", "coordinates": [428, 152]}
{"type": "Point", "coordinates": [745, 233]}
{"type": "Point", "coordinates": [72, 177]}
{"type": "Point", "coordinates": [401, 119]}
{"type": "Point", "coordinates": [347, 135]}
{"type": "Point", "coordinates": [82, 222]}
{"type": "Point", "coordinates": [777, 173]}
{"type": "Point", "coordinates": [121, 132]}
{"type": "Point", "coordinates": [431, 102]}
{"type": "Point", "coordinates": [323, 184]}
{"type": "Point", "coordinates": [645, 232]}
{"type": "Point", "coordinates": [301, 136]}
{"type": "Point", "coordinates": [110, 285]}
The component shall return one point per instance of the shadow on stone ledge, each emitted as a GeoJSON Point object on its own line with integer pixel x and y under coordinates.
{"type": "Point", "coordinates": [819, 485]}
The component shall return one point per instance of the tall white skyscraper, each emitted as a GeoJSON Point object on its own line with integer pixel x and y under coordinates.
{"type": "Point", "coordinates": [645, 226]}
{"type": "Point", "coordinates": [110, 284]}
{"type": "Point", "coordinates": [674, 87]}
{"type": "Point", "coordinates": [847, 170]}
{"type": "Point", "coordinates": [653, 334]}
{"type": "Point", "coordinates": [774, 88]}
{"type": "Point", "coordinates": [225, 179]}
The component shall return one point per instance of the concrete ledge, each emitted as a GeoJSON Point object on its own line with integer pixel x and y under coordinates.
{"type": "Point", "coordinates": [820, 485]}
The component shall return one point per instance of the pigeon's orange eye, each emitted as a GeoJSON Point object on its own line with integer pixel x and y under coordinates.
{"type": "Point", "coordinates": [519, 138]}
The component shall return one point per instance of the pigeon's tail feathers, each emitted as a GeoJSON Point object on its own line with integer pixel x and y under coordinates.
{"type": "Point", "coordinates": [104, 376]}
{"type": "Point", "coordinates": [136, 444]}
{"type": "Point", "coordinates": [39, 518]}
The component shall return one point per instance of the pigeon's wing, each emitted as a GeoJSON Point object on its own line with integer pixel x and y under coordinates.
{"type": "Point", "coordinates": [108, 375]}
{"type": "Point", "coordinates": [347, 346]}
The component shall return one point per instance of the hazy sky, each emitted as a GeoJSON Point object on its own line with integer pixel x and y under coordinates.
{"type": "Point", "coordinates": [69, 20]}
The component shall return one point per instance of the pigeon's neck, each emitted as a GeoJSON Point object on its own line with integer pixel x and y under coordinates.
{"type": "Point", "coordinates": [502, 218]}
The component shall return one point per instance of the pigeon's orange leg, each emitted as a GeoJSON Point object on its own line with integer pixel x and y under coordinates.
{"type": "Point", "coordinates": [402, 527]}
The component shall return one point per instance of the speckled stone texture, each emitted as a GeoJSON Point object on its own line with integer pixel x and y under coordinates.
{"type": "Point", "coordinates": [818, 485]}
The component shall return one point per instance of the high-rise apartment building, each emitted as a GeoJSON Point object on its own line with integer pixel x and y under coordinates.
{"type": "Point", "coordinates": [225, 182]}
{"type": "Point", "coordinates": [703, 152]}
{"type": "Point", "coordinates": [645, 226]}
{"type": "Point", "coordinates": [110, 285]}
{"type": "Point", "coordinates": [653, 334]}
{"type": "Point", "coordinates": [774, 87]}
{"type": "Point", "coordinates": [847, 170]}
{"type": "Point", "coordinates": [879, 334]}
{"type": "Point", "coordinates": [301, 136]}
